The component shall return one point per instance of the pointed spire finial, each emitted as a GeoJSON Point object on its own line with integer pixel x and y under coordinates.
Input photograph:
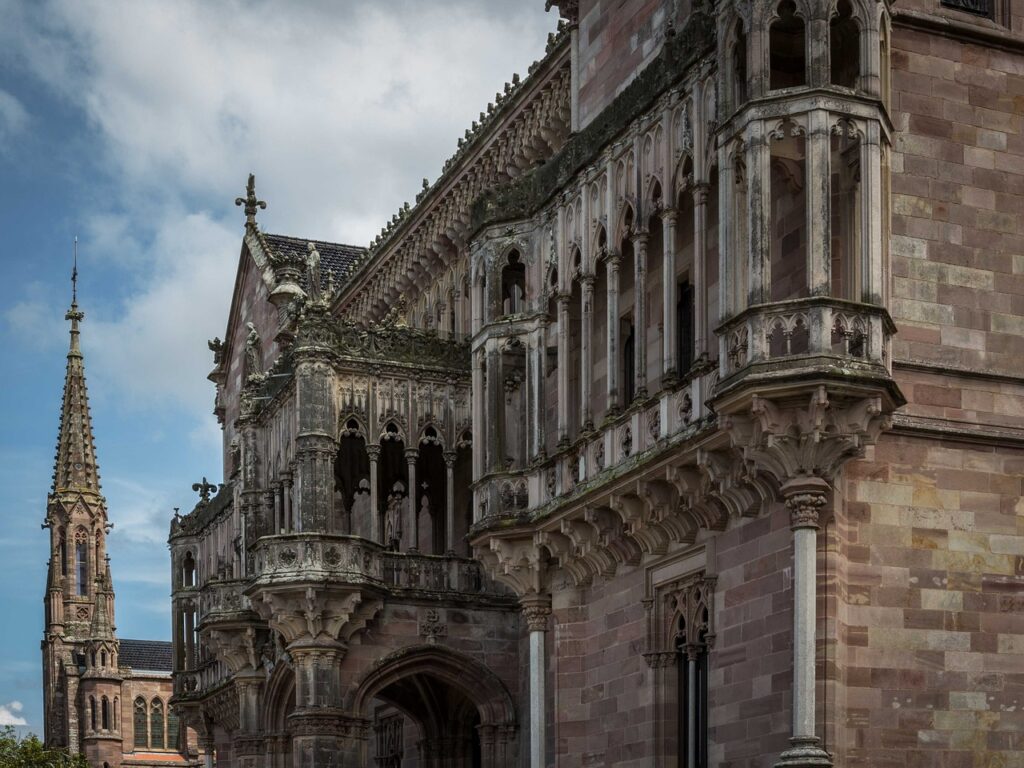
{"type": "Point", "coordinates": [73, 314]}
{"type": "Point", "coordinates": [75, 468]}
{"type": "Point", "coordinates": [250, 202]}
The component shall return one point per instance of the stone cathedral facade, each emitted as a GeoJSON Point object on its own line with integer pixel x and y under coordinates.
{"type": "Point", "coordinates": [677, 423]}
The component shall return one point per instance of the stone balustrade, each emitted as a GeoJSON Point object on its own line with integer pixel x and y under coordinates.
{"type": "Point", "coordinates": [602, 453]}
{"type": "Point", "coordinates": [222, 600]}
{"type": "Point", "coordinates": [786, 333]}
{"type": "Point", "coordinates": [195, 683]}
{"type": "Point", "coordinates": [355, 561]}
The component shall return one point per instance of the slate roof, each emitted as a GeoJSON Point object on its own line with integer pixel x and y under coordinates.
{"type": "Point", "coordinates": [148, 655]}
{"type": "Point", "coordinates": [334, 257]}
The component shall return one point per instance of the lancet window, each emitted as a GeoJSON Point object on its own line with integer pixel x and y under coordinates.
{"type": "Point", "coordinates": [787, 45]}
{"type": "Point", "coordinates": [82, 562]}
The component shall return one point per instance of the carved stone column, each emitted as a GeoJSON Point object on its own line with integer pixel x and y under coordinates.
{"type": "Point", "coordinates": [640, 314]}
{"type": "Point", "coordinates": [248, 744]}
{"type": "Point", "coordinates": [536, 609]}
{"type": "Point", "coordinates": [700, 277]}
{"type": "Point", "coordinates": [315, 444]}
{"type": "Point", "coordinates": [206, 745]}
{"type": "Point", "coordinates": [479, 397]}
{"type": "Point", "coordinates": [495, 418]}
{"type": "Point", "coordinates": [323, 735]}
{"type": "Point", "coordinates": [377, 523]}
{"type": "Point", "coordinates": [449, 513]}
{"type": "Point", "coordinates": [612, 377]}
{"type": "Point", "coordinates": [586, 352]}
{"type": "Point", "coordinates": [288, 520]}
{"type": "Point", "coordinates": [669, 299]}
{"type": "Point", "coordinates": [412, 529]}
{"type": "Point", "coordinates": [805, 497]}
{"type": "Point", "coordinates": [563, 369]}
{"type": "Point", "coordinates": [818, 212]}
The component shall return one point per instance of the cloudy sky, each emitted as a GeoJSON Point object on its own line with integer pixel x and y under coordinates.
{"type": "Point", "coordinates": [133, 125]}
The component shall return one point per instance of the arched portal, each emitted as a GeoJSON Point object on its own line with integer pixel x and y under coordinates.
{"type": "Point", "coordinates": [459, 712]}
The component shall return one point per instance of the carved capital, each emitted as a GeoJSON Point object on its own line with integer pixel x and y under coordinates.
{"type": "Point", "coordinates": [660, 659]}
{"type": "Point", "coordinates": [536, 609]}
{"type": "Point", "coordinates": [805, 497]}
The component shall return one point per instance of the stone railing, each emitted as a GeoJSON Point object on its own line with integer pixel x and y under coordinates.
{"type": "Point", "coordinates": [602, 453]}
{"type": "Point", "coordinates": [352, 560]}
{"type": "Point", "coordinates": [822, 327]}
{"type": "Point", "coordinates": [220, 600]}
{"type": "Point", "coordinates": [436, 574]}
{"type": "Point", "coordinates": [195, 683]}
{"type": "Point", "coordinates": [317, 557]}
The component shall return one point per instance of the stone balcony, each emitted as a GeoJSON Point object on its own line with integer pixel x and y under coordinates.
{"type": "Point", "coordinates": [197, 682]}
{"type": "Point", "coordinates": [788, 344]}
{"type": "Point", "coordinates": [354, 562]}
{"type": "Point", "coordinates": [224, 601]}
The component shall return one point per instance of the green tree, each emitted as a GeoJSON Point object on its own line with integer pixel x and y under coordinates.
{"type": "Point", "coordinates": [29, 752]}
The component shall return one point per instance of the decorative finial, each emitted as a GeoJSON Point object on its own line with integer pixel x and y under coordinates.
{"type": "Point", "coordinates": [74, 275]}
{"type": "Point", "coordinates": [73, 314]}
{"type": "Point", "coordinates": [204, 488]}
{"type": "Point", "coordinates": [250, 202]}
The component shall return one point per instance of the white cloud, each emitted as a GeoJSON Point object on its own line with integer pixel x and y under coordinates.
{"type": "Point", "coordinates": [13, 116]}
{"type": "Point", "coordinates": [9, 714]}
{"type": "Point", "coordinates": [339, 109]}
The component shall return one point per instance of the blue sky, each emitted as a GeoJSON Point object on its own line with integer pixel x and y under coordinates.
{"type": "Point", "coordinates": [133, 124]}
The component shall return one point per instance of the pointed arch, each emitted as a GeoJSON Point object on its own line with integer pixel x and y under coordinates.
{"type": "Point", "coordinates": [471, 678]}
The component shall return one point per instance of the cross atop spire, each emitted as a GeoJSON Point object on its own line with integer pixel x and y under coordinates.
{"type": "Point", "coordinates": [250, 202]}
{"type": "Point", "coordinates": [75, 468]}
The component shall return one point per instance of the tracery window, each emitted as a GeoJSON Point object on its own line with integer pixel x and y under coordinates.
{"type": "Point", "coordinates": [172, 729]}
{"type": "Point", "coordinates": [82, 562]}
{"type": "Point", "coordinates": [139, 724]}
{"type": "Point", "coordinates": [156, 725]}
{"type": "Point", "coordinates": [693, 601]}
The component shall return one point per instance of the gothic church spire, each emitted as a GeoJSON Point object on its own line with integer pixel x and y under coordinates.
{"type": "Point", "coordinates": [75, 468]}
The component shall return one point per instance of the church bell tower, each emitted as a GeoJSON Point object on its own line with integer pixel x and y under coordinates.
{"type": "Point", "coordinates": [79, 645]}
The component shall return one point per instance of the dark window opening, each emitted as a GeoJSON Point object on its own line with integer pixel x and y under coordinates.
{"type": "Point", "coordinates": [628, 335]}
{"type": "Point", "coordinates": [739, 66]}
{"type": "Point", "coordinates": [844, 47]}
{"type": "Point", "coordinates": [82, 566]}
{"type": "Point", "coordinates": [977, 7]}
{"type": "Point", "coordinates": [513, 285]}
{"type": "Point", "coordinates": [699, 671]}
{"type": "Point", "coordinates": [787, 49]}
{"type": "Point", "coordinates": [105, 714]}
{"type": "Point", "coordinates": [685, 322]}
